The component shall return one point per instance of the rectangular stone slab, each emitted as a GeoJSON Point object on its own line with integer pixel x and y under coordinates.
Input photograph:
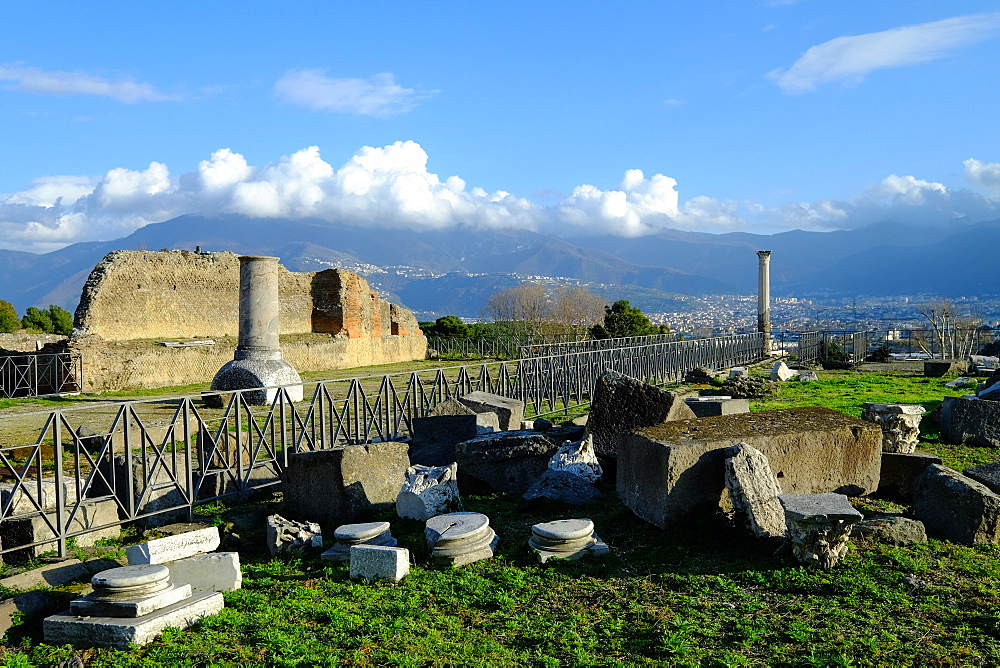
{"type": "Point", "coordinates": [675, 470]}
{"type": "Point", "coordinates": [171, 548]}
{"type": "Point", "coordinates": [117, 633]}
{"type": "Point", "coordinates": [140, 607]}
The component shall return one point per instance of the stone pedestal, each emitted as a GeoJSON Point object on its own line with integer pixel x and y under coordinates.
{"type": "Point", "coordinates": [457, 539]}
{"type": "Point", "coordinates": [900, 424]}
{"type": "Point", "coordinates": [819, 526]}
{"type": "Point", "coordinates": [379, 562]}
{"type": "Point", "coordinates": [349, 535]}
{"type": "Point", "coordinates": [566, 539]}
{"type": "Point", "coordinates": [130, 605]}
{"type": "Point", "coordinates": [257, 364]}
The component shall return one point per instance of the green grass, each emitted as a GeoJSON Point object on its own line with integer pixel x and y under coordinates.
{"type": "Point", "coordinates": [705, 595]}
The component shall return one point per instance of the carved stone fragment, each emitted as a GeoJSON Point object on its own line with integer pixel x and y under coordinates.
{"type": "Point", "coordinates": [819, 526]}
{"type": "Point", "coordinates": [900, 424]}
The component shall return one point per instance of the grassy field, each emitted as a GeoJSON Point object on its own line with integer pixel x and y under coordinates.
{"type": "Point", "coordinates": [705, 595]}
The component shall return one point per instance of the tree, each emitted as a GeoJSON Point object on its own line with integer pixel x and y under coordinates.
{"type": "Point", "coordinates": [53, 320]}
{"type": "Point", "coordinates": [37, 320]}
{"type": "Point", "coordinates": [447, 326]}
{"type": "Point", "coordinates": [575, 309]}
{"type": "Point", "coordinates": [954, 334]}
{"type": "Point", "coordinates": [9, 322]}
{"type": "Point", "coordinates": [525, 304]}
{"type": "Point", "coordinates": [623, 319]}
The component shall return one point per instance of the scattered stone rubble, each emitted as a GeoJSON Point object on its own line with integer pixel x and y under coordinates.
{"type": "Point", "coordinates": [349, 535]}
{"type": "Point", "coordinates": [291, 536]}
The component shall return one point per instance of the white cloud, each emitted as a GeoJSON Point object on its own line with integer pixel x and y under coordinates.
{"type": "Point", "coordinates": [849, 59]}
{"type": "Point", "coordinates": [983, 174]}
{"type": "Point", "coordinates": [391, 187]}
{"type": "Point", "coordinates": [378, 95]}
{"type": "Point", "coordinates": [34, 80]}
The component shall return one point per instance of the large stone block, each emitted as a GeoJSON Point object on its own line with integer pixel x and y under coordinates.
{"type": "Point", "coordinates": [973, 421]}
{"type": "Point", "coordinates": [218, 571]}
{"type": "Point", "coordinates": [899, 472]}
{"type": "Point", "coordinates": [90, 517]}
{"type": "Point", "coordinates": [987, 474]}
{"type": "Point", "coordinates": [334, 487]}
{"type": "Point", "coordinates": [509, 412]}
{"type": "Point", "coordinates": [671, 471]}
{"type": "Point", "coordinates": [508, 461]}
{"type": "Point", "coordinates": [956, 507]}
{"type": "Point", "coordinates": [939, 368]}
{"type": "Point", "coordinates": [620, 404]}
{"type": "Point", "coordinates": [435, 437]}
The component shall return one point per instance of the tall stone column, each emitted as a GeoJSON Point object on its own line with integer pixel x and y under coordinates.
{"type": "Point", "coordinates": [764, 298]}
{"type": "Point", "coordinates": [257, 362]}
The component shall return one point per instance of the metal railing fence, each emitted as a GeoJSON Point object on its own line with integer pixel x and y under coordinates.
{"type": "Point", "coordinates": [157, 460]}
{"type": "Point", "coordinates": [26, 374]}
{"type": "Point", "coordinates": [502, 347]}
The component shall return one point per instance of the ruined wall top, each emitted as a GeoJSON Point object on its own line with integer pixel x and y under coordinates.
{"type": "Point", "coordinates": [180, 294]}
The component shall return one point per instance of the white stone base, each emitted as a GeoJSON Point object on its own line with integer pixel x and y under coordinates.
{"type": "Point", "coordinates": [118, 633]}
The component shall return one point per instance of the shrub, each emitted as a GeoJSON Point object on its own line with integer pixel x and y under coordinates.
{"type": "Point", "coordinates": [881, 354]}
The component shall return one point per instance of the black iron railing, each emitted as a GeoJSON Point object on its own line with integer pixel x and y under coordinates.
{"type": "Point", "coordinates": [39, 374]}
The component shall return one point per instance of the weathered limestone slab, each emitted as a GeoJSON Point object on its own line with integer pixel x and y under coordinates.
{"type": "Point", "coordinates": [175, 547]}
{"type": "Point", "coordinates": [560, 486]}
{"type": "Point", "coordinates": [808, 377]}
{"type": "Point", "coordinates": [971, 421]}
{"type": "Point", "coordinates": [509, 412]}
{"type": "Point", "coordinates": [379, 562]}
{"type": "Point", "coordinates": [566, 539]}
{"type": "Point", "coordinates": [334, 487]}
{"type": "Point", "coordinates": [578, 458]}
{"type": "Point", "coordinates": [891, 530]}
{"type": "Point", "coordinates": [987, 474]}
{"type": "Point", "coordinates": [781, 372]}
{"type": "Point", "coordinates": [754, 491]}
{"type": "Point", "coordinates": [900, 471]}
{"type": "Point", "coordinates": [671, 471]}
{"type": "Point", "coordinates": [349, 535]}
{"type": "Point", "coordinates": [958, 382]}
{"type": "Point", "coordinates": [289, 536]}
{"type": "Point", "coordinates": [956, 507]}
{"type": "Point", "coordinates": [900, 424]}
{"type": "Point", "coordinates": [33, 528]}
{"type": "Point", "coordinates": [620, 404]}
{"type": "Point", "coordinates": [118, 633]}
{"type": "Point", "coordinates": [939, 368]}
{"type": "Point", "coordinates": [712, 406]}
{"type": "Point", "coordinates": [819, 526]}
{"type": "Point", "coordinates": [458, 539]}
{"type": "Point", "coordinates": [508, 461]}
{"type": "Point", "coordinates": [429, 491]}
{"type": "Point", "coordinates": [218, 571]}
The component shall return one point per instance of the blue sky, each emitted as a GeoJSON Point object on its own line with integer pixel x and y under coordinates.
{"type": "Point", "coordinates": [561, 117]}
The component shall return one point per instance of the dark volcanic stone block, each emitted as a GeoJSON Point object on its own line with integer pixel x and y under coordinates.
{"type": "Point", "coordinates": [956, 507]}
{"type": "Point", "coordinates": [987, 474]}
{"type": "Point", "coordinates": [900, 470]}
{"type": "Point", "coordinates": [621, 403]}
{"type": "Point", "coordinates": [674, 470]}
{"type": "Point", "coordinates": [334, 487]}
{"type": "Point", "coordinates": [972, 421]}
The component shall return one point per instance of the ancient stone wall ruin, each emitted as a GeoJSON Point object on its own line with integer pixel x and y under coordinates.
{"type": "Point", "coordinates": [134, 295]}
{"type": "Point", "coordinates": [330, 319]}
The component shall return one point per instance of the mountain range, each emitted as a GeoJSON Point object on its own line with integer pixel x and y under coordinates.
{"type": "Point", "coordinates": [455, 270]}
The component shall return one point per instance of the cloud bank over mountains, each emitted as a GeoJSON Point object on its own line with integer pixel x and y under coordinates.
{"type": "Point", "coordinates": [391, 187]}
